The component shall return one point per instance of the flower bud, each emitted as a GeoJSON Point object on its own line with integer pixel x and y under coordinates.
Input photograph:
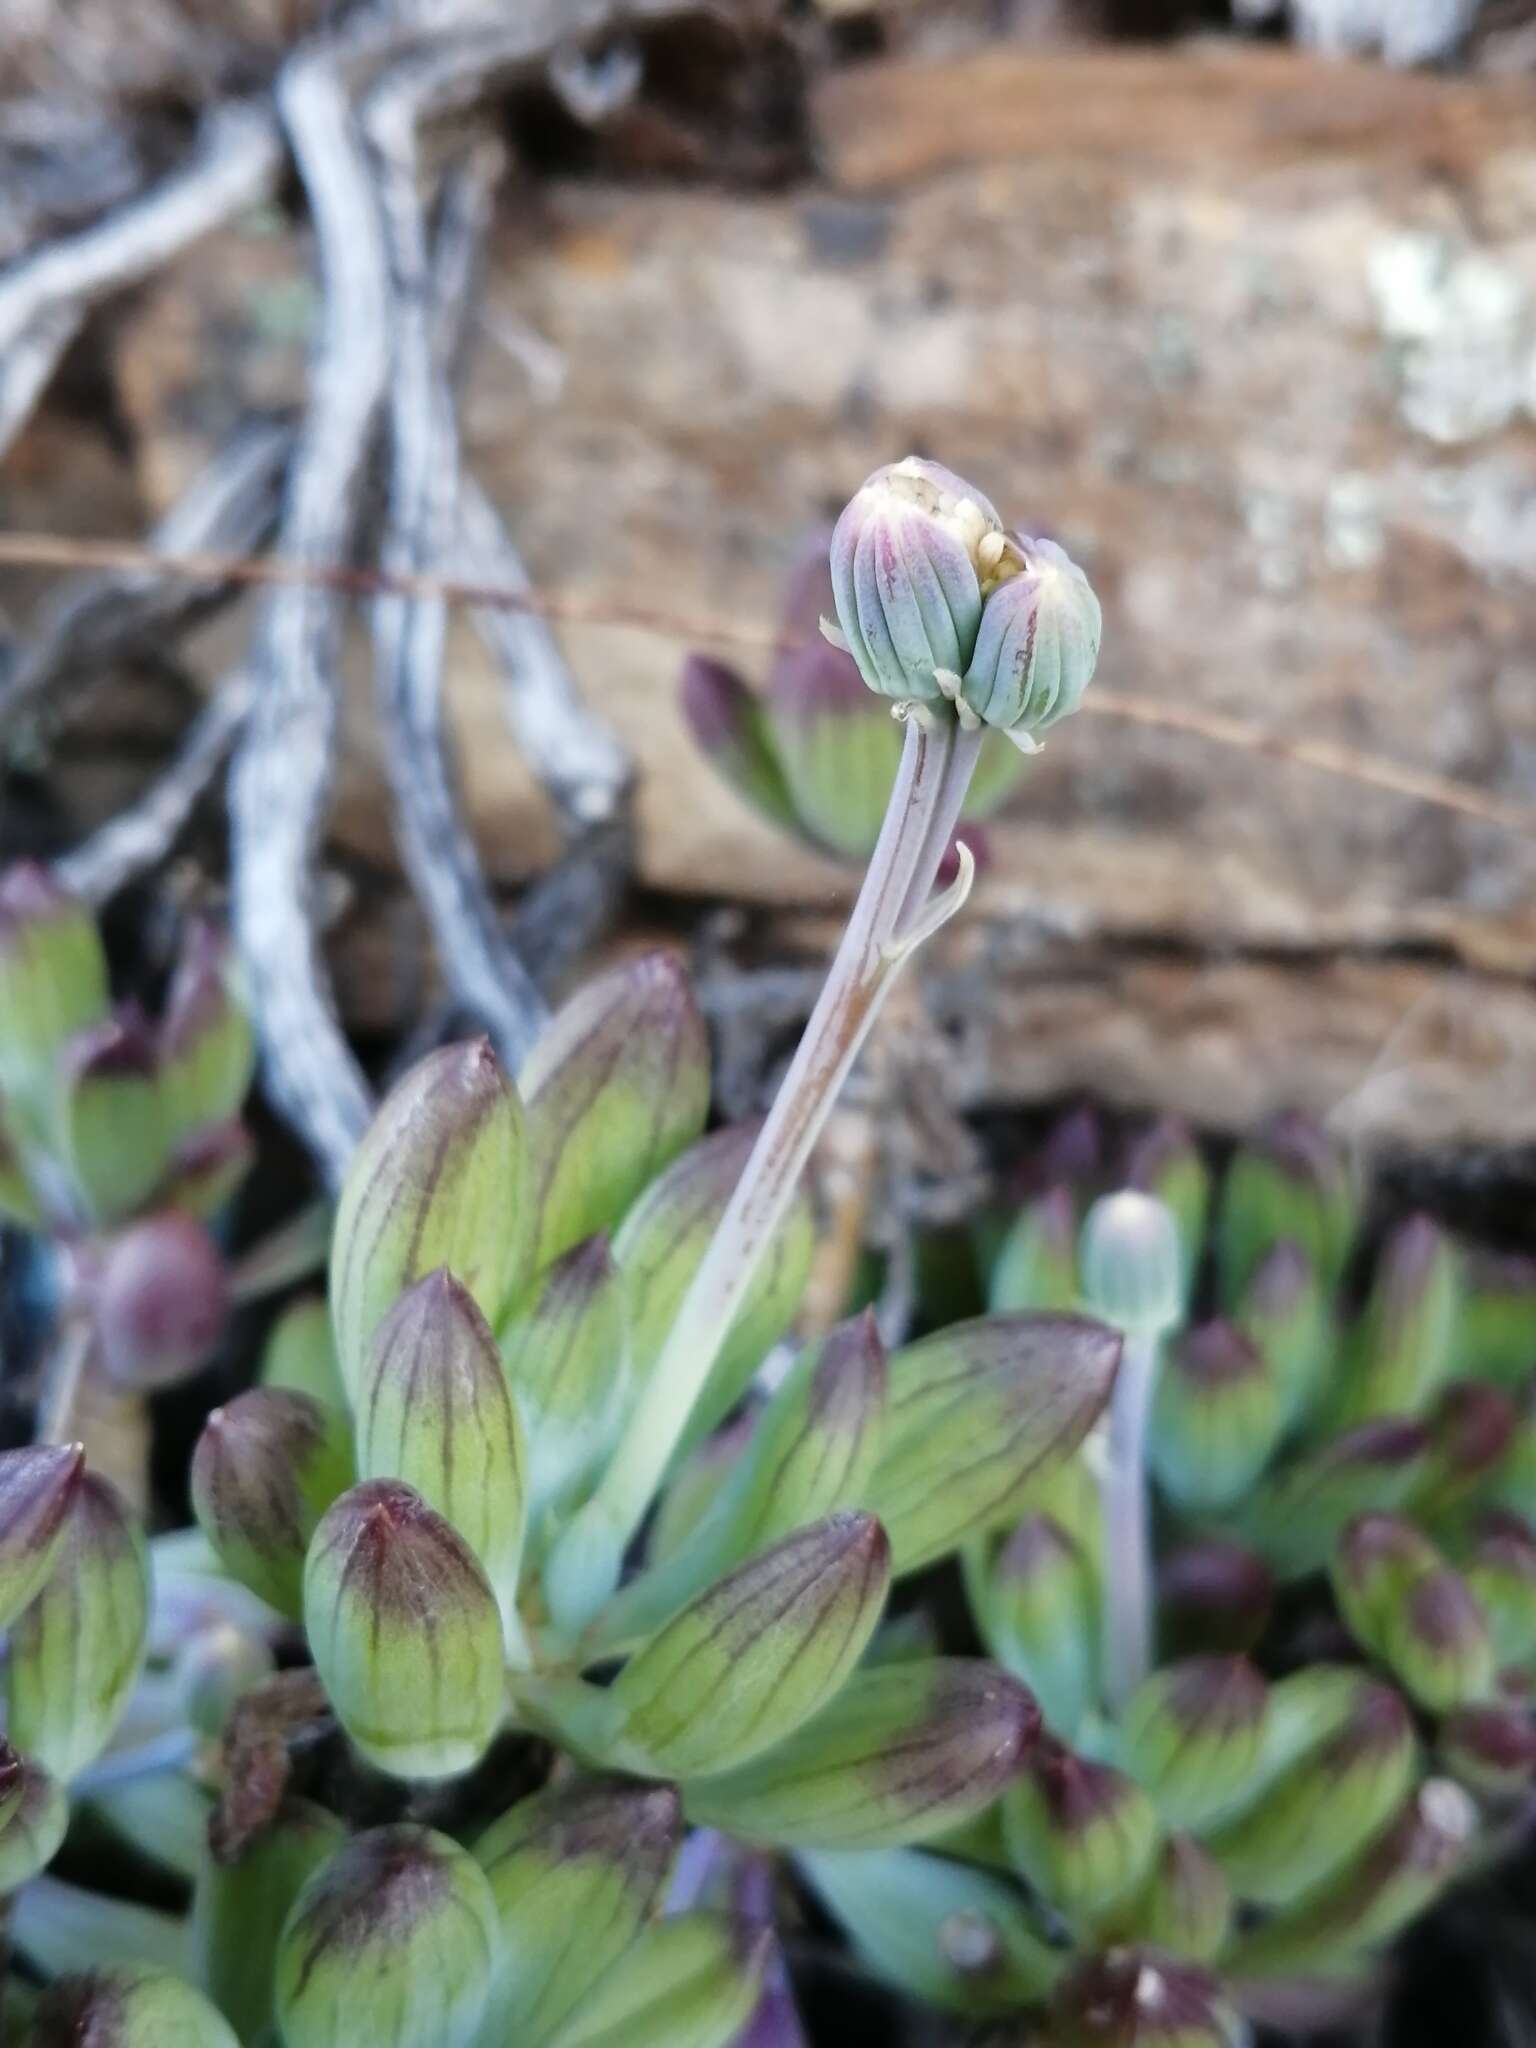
{"type": "Point", "coordinates": [979, 1417]}
{"type": "Point", "coordinates": [1185, 1908]}
{"type": "Point", "coordinates": [616, 1087]}
{"type": "Point", "coordinates": [1471, 1433]}
{"type": "Point", "coordinates": [755, 1655]}
{"type": "Point", "coordinates": [730, 727]}
{"type": "Point", "coordinates": [207, 1051]}
{"type": "Point", "coordinates": [440, 1179]}
{"type": "Point", "coordinates": [131, 2006]}
{"type": "Point", "coordinates": [299, 1356]}
{"type": "Point", "coordinates": [38, 1490]}
{"type": "Point", "coordinates": [1401, 1349]}
{"type": "Point", "coordinates": [1283, 1311]}
{"type": "Point", "coordinates": [1217, 1416]}
{"type": "Point", "coordinates": [1166, 1163]}
{"type": "Point", "coordinates": [1491, 1748]}
{"type": "Point", "coordinates": [35, 1824]}
{"type": "Point", "coordinates": [567, 1362]}
{"type": "Point", "coordinates": [1036, 1263]}
{"type": "Point", "coordinates": [1193, 1734]}
{"type": "Point", "coordinates": [904, 1753]}
{"type": "Point", "coordinates": [1501, 1575]}
{"type": "Point", "coordinates": [1437, 1641]}
{"type": "Point", "coordinates": [1135, 1998]}
{"type": "Point", "coordinates": [908, 557]}
{"type": "Point", "coordinates": [434, 1410]}
{"type": "Point", "coordinates": [1037, 644]}
{"type": "Point", "coordinates": [1082, 1833]}
{"type": "Point", "coordinates": [1377, 1559]}
{"type": "Point", "coordinates": [53, 981]}
{"type": "Point", "coordinates": [394, 1939]}
{"type": "Point", "coordinates": [162, 1302]}
{"type": "Point", "coordinates": [1289, 1185]}
{"type": "Point", "coordinates": [208, 1169]}
{"type": "Point", "coordinates": [660, 1246]}
{"type": "Point", "coordinates": [405, 1632]}
{"type": "Point", "coordinates": [575, 1872]}
{"type": "Point", "coordinates": [1213, 1595]}
{"type": "Point", "coordinates": [241, 1903]}
{"type": "Point", "coordinates": [267, 1466]}
{"type": "Point", "coordinates": [690, 1980]}
{"type": "Point", "coordinates": [1295, 1514]}
{"type": "Point", "coordinates": [1324, 1807]}
{"type": "Point", "coordinates": [1038, 1610]}
{"type": "Point", "coordinates": [945, 1932]}
{"type": "Point", "coordinates": [111, 1130]}
{"type": "Point", "coordinates": [76, 1651]}
{"type": "Point", "coordinates": [1131, 1263]}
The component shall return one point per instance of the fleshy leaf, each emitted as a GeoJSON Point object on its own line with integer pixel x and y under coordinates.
{"type": "Point", "coordinates": [1037, 1605]}
{"type": "Point", "coordinates": [240, 1906]}
{"type": "Point", "coordinates": [39, 1486]}
{"type": "Point", "coordinates": [128, 2007]}
{"type": "Point", "coordinates": [1082, 1833]}
{"type": "Point", "coordinates": [1193, 1734]}
{"type": "Point", "coordinates": [566, 1357]}
{"type": "Point", "coordinates": [267, 1466]}
{"type": "Point", "coordinates": [53, 982]}
{"type": "Point", "coordinates": [690, 1981]}
{"type": "Point", "coordinates": [112, 1139]}
{"type": "Point", "coordinates": [207, 1050]}
{"type": "Point", "coordinates": [1036, 1263]}
{"type": "Point", "coordinates": [34, 1828]}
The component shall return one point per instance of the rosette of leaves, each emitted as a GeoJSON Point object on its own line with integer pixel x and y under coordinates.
{"type": "Point", "coordinates": [120, 1135]}
{"type": "Point", "coordinates": [1339, 1718]}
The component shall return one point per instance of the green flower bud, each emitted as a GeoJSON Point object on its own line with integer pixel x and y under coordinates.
{"type": "Point", "coordinates": [1038, 642]}
{"type": "Point", "coordinates": [1167, 1164]}
{"type": "Point", "coordinates": [1401, 1350]}
{"type": "Point", "coordinates": [1501, 1576]}
{"type": "Point", "coordinates": [1213, 1596]}
{"type": "Point", "coordinates": [162, 1301]}
{"type": "Point", "coordinates": [576, 1872]}
{"type": "Point", "coordinates": [731, 728]}
{"type": "Point", "coordinates": [812, 1450]}
{"type": "Point", "coordinates": [615, 1089]}
{"type": "Point", "coordinates": [76, 1651]}
{"type": "Point", "coordinates": [394, 1939]}
{"type": "Point", "coordinates": [1133, 1998]}
{"type": "Point", "coordinates": [1496, 1332]}
{"type": "Point", "coordinates": [1369, 1901]}
{"type": "Point", "coordinates": [1082, 1833]}
{"type": "Point", "coordinates": [1471, 1434]}
{"type": "Point", "coordinates": [1217, 1416]}
{"type": "Point", "coordinates": [1294, 1515]}
{"type": "Point", "coordinates": [980, 1415]}
{"type": "Point", "coordinates": [39, 1487]}
{"type": "Point", "coordinates": [207, 1050]}
{"type": "Point", "coordinates": [241, 1903]}
{"type": "Point", "coordinates": [660, 1246]}
{"type": "Point", "coordinates": [207, 1170]}
{"type": "Point", "coordinates": [1132, 1264]}
{"type": "Point", "coordinates": [1437, 1641]}
{"type": "Point", "coordinates": [1377, 1559]}
{"type": "Point", "coordinates": [908, 557]}
{"type": "Point", "coordinates": [53, 982]}
{"type": "Point", "coordinates": [690, 1981]}
{"type": "Point", "coordinates": [1284, 1311]}
{"type": "Point", "coordinates": [112, 1140]}
{"type": "Point", "coordinates": [1320, 1811]}
{"type": "Point", "coordinates": [1289, 1185]}
{"type": "Point", "coordinates": [942, 1931]}
{"type": "Point", "coordinates": [1193, 1734]}
{"type": "Point", "coordinates": [566, 1359]}
{"type": "Point", "coordinates": [405, 1632]}
{"type": "Point", "coordinates": [433, 1409]}
{"type": "Point", "coordinates": [1185, 1908]}
{"type": "Point", "coordinates": [1038, 1609]}
{"type": "Point", "coordinates": [904, 1753]}
{"type": "Point", "coordinates": [34, 1825]}
{"type": "Point", "coordinates": [129, 2007]}
{"type": "Point", "coordinates": [1036, 1264]}
{"type": "Point", "coordinates": [300, 1353]}
{"type": "Point", "coordinates": [440, 1179]}
{"type": "Point", "coordinates": [1491, 1748]}
{"type": "Point", "coordinates": [267, 1466]}
{"type": "Point", "coordinates": [753, 1657]}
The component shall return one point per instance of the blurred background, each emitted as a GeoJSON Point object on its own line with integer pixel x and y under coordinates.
{"type": "Point", "coordinates": [1239, 303]}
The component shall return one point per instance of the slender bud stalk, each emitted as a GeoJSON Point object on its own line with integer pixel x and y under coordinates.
{"type": "Point", "coordinates": [890, 918]}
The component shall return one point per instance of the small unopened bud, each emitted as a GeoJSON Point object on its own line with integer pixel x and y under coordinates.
{"type": "Point", "coordinates": [1082, 1833]}
{"type": "Point", "coordinates": [909, 556]}
{"type": "Point", "coordinates": [1193, 1735]}
{"type": "Point", "coordinates": [1037, 644]}
{"type": "Point", "coordinates": [1290, 1184]}
{"type": "Point", "coordinates": [131, 2006]}
{"type": "Point", "coordinates": [1038, 1610]}
{"type": "Point", "coordinates": [1491, 1748]}
{"type": "Point", "coordinates": [1402, 1346]}
{"type": "Point", "coordinates": [1216, 1417]}
{"type": "Point", "coordinates": [1131, 1263]}
{"type": "Point", "coordinates": [162, 1303]}
{"type": "Point", "coordinates": [1377, 1559]}
{"type": "Point", "coordinates": [266, 1468]}
{"type": "Point", "coordinates": [1437, 1640]}
{"type": "Point", "coordinates": [393, 1940]}
{"type": "Point", "coordinates": [1283, 1310]}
